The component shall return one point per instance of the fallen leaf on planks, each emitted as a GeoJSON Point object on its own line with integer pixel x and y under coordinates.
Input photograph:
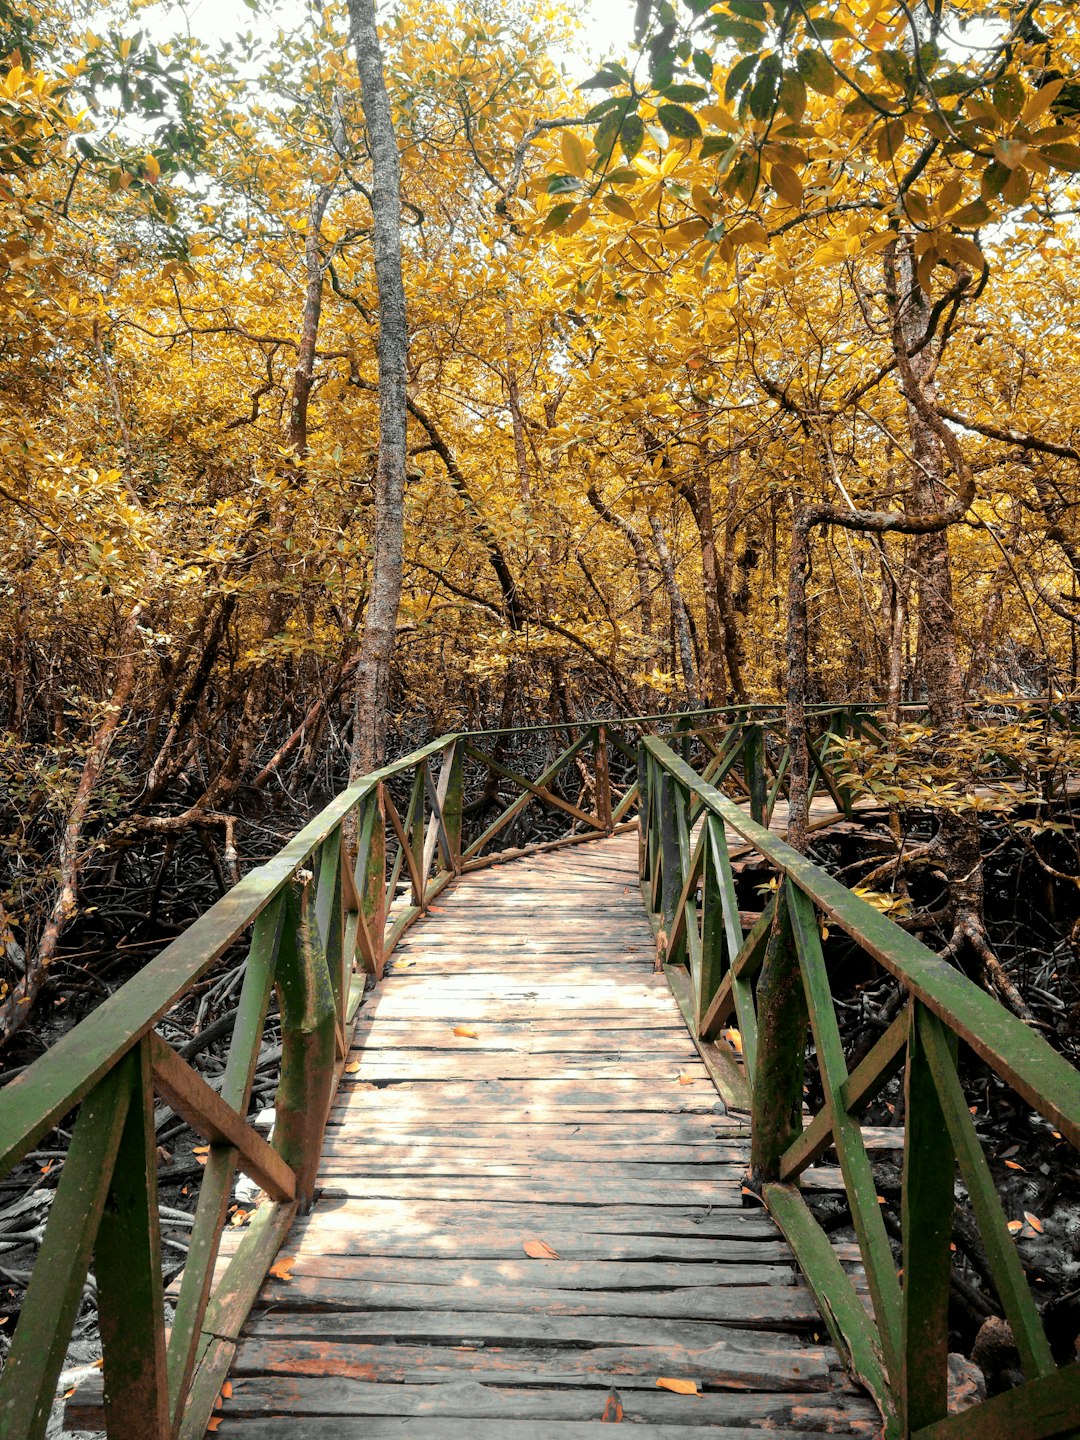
{"type": "Point", "coordinates": [539, 1250]}
{"type": "Point", "coordinates": [686, 1079]}
{"type": "Point", "coordinates": [281, 1268]}
{"type": "Point", "coordinates": [681, 1387]}
{"type": "Point", "coordinates": [352, 1067]}
{"type": "Point", "coordinates": [213, 1424]}
{"type": "Point", "coordinates": [734, 1039]}
{"type": "Point", "coordinates": [613, 1411]}
{"type": "Point", "coordinates": [226, 1390]}
{"type": "Point", "coordinates": [466, 1032]}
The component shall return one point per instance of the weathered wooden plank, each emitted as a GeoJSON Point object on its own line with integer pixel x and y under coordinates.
{"type": "Point", "coordinates": [526, 1273]}
{"type": "Point", "coordinates": [342, 1396]}
{"type": "Point", "coordinates": [773, 1307]}
{"type": "Point", "coordinates": [463, 1327]}
{"type": "Point", "coordinates": [439, 1428]}
{"type": "Point", "coordinates": [722, 1366]}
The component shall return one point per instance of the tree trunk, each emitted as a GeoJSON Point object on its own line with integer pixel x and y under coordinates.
{"type": "Point", "coordinates": [372, 690]}
{"type": "Point", "coordinates": [679, 620]}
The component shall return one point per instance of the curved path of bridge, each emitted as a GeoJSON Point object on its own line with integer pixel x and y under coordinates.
{"type": "Point", "coordinates": [523, 1083]}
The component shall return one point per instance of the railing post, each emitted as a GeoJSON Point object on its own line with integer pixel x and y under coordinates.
{"type": "Point", "coordinates": [370, 880]}
{"type": "Point", "coordinates": [926, 1217]}
{"type": "Point", "coordinates": [603, 778]}
{"type": "Point", "coordinates": [51, 1303]}
{"type": "Point", "coordinates": [754, 770]}
{"type": "Point", "coordinates": [670, 797]}
{"type": "Point", "coordinates": [454, 803]}
{"type": "Point", "coordinates": [127, 1264]}
{"type": "Point", "coordinates": [778, 1073]}
{"type": "Point", "coordinates": [308, 1036]}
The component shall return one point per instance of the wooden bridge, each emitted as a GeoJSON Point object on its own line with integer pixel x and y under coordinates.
{"type": "Point", "coordinates": [504, 1195]}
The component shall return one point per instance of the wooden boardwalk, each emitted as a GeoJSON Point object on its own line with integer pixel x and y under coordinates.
{"type": "Point", "coordinates": [523, 1081]}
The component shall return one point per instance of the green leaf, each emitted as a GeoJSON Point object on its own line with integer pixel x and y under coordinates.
{"type": "Point", "coordinates": [613, 102]}
{"type": "Point", "coordinates": [738, 75]}
{"type": "Point", "coordinates": [556, 216]}
{"type": "Point", "coordinates": [829, 29]}
{"type": "Point", "coordinates": [893, 64]}
{"type": "Point", "coordinates": [703, 64]}
{"type": "Point", "coordinates": [687, 94]}
{"type": "Point", "coordinates": [623, 175]}
{"type": "Point", "coordinates": [816, 71]}
{"type": "Point", "coordinates": [763, 95]}
{"type": "Point", "coordinates": [716, 145]}
{"type": "Point", "coordinates": [631, 135]}
{"type": "Point", "coordinates": [1009, 96]}
{"type": "Point", "coordinates": [679, 123]}
{"type": "Point", "coordinates": [562, 184]}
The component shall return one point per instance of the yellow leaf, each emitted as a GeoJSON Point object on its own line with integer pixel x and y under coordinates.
{"type": "Point", "coordinates": [734, 1039]}
{"type": "Point", "coordinates": [352, 1067]}
{"type": "Point", "coordinates": [618, 206]}
{"type": "Point", "coordinates": [681, 1387]}
{"type": "Point", "coordinates": [751, 232]}
{"type": "Point", "coordinates": [539, 1250]}
{"type": "Point", "coordinates": [466, 1032]}
{"type": "Point", "coordinates": [574, 154]}
{"type": "Point", "coordinates": [787, 185]}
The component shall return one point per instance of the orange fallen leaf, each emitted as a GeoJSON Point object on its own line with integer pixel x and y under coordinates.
{"type": "Point", "coordinates": [613, 1411]}
{"type": "Point", "coordinates": [466, 1031]}
{"type": "Point", "coordinates": [281, 1268]}
{"type": "Point", "coordinates": [352, 1067]}
{"type": "Point", "coordinates": [681, 1387]}
{"type": "Point", "coordinates": [226, 1390]}
{"type": "Point", "coordinates": [1034, 1221]}
{"type": "Point", "coordinates": [1015, 1226]}
{"type": "Point", "coordinates": [539, 1250]}
{"type": "Point", "coordinates": [212, 1425]}
{"type": "Point", "coordinates": [1013, 1165]}
{"type": "Point", "coordinates": [686, 1079]}
{"type": "Point", "coordinates": [734, 1039]}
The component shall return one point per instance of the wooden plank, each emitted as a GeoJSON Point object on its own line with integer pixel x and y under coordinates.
{"type": "Point", "coordinates": [728, 1366]}
{"type": "Point", "coordinates": [439, 1428]}
{"type": "Point", "coordinates": [472, 1326]}
{"type": "Point", "coordinates": [343, 1397]}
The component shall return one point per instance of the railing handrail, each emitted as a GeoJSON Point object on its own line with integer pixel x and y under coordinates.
{"type": "Point", "coordinates": [1045, 1079]}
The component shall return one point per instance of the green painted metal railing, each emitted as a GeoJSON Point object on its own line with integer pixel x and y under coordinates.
{"type": "Point", "coordinates": [319, 920]}
{"type": "Point", "coordinates": [900, 1351]}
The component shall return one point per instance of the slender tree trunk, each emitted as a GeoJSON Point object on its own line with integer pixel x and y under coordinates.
{"type": "Point", "coordinates": [679, 620]}
{"type": "Point", "coordinates": [309, 325]}
{"type": "Point", "coordinates": [698, 495]}
{"type": "Point", "coordinates": [372, 690]}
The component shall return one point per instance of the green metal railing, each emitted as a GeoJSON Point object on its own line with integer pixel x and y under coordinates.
{"type": "Point", "coordinates": [319, 920]}
{"type": "Point", "coordinates": [774, 982]}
